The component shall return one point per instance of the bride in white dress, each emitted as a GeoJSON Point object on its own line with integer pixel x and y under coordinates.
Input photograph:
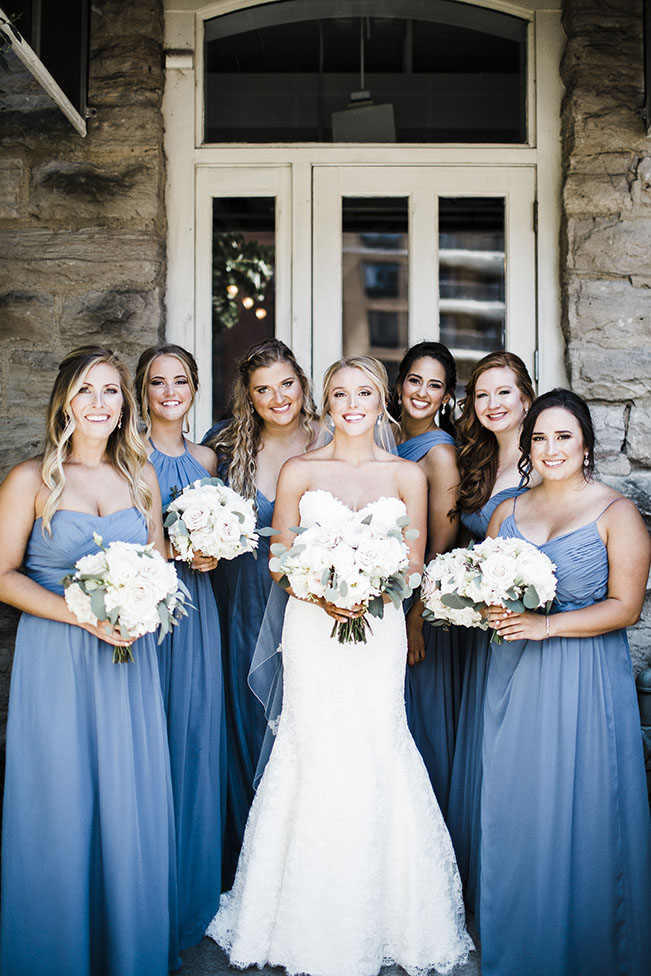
{"type": "Point", "coordinates": [346, 864]}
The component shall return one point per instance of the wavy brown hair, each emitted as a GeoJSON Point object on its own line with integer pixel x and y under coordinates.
{"type": "Point", "coordinates": [478, 446]}
{"type": "Point", "coordinates": [188, 362]}
{"type": "Point", "coordinates": [124, 449]}
{"type": "Point", "coordinates": [237, 443]}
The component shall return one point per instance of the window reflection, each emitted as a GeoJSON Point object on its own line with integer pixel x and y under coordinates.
{"type": "Point", "coordinates": [243, 294]}
{"type": "Point", "coordinates": [375, 267]}
{"type": "Point", "coordinates": [471, 279]}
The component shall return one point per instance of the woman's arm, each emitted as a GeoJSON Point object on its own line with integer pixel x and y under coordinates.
{"type": "Point", "coordinates": [440, 467]}
{"type": "Point", "coordinates": [17, 515]}
{"type": "Point", "coordinates": [629, 555]}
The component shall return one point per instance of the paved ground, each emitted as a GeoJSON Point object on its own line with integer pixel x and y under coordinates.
{"type": "Point", "coordinates": [207, 959]}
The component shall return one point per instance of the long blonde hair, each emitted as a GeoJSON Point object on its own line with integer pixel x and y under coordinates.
{"type": "Point", "coordinates": [124, 449]}
{"type": "Point", "coordinates": [237, 444]}
{"type": "Point", "coordinates": [188, 362]}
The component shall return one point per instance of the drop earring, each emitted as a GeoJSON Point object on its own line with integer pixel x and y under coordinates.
{"type": "Point", "coordinates": [120, 422]}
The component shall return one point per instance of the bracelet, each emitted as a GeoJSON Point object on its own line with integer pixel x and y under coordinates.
{"type": "Point", "coordinates": [547, 625]}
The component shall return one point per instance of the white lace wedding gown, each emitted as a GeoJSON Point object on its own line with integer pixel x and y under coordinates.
{"type": "Point", "coordinates": [346, 864]}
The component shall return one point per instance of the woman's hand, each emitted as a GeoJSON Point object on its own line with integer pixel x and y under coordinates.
{"type": "Point", "coordinates": [107, 632]}
{"type": "Point", "coordinates": [203, 564]}
{"type": "Point", "coordinates": [337, 613]}
{"type": "Point", "coordinates": [517, 626]}
{"type": "Point", "coordinates": [415, 638]}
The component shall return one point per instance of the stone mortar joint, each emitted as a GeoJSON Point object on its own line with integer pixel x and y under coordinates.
{"type": "Point", "coordinates": [644, 172]}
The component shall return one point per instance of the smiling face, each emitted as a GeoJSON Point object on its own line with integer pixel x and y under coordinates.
{"type": "Point", "coordinates": [557, 446]}
{"type": "Point", "coordinates": [423, 390]}
{"type": "Point", "coordinates": [498, 402]}
{"type": "Point", "coordinates": [169, 393]}
{"type": "Point", "coordinates": [97, 405]}
{"type": "Point", "coordinates": [354, 402]}
{"type": "Point", "coordinates": [276, 394]}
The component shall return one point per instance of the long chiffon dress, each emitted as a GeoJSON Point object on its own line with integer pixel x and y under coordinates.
{"type": "Point", "coordinates": [242, 587]}
{"type": "Point", "coordinates": [474, 650]}
{"type": "Point", "coordinates": [193, 694]}
{"type": "Point", "coordinates": [433, 686]}
{"type": "Point", "coordinates": [566, 833]}
{"type": "Point", "coordinates": [346, 862]}
{"type": "Point", "coordinates": [88, 859]}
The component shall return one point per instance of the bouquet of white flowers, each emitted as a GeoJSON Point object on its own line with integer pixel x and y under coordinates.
{"type": "Point", "coordinates": [128, 585]}
{"type": "Point", "coordinates": [211, 518]}
{"type": "Point", "coordinates": [511, 573]}
{"type": "Point", "coordinates": [349, 565]}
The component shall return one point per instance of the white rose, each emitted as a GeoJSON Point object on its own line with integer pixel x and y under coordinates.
{"type": "Point", "coordinates": [195, 517]}
{"type": "Point", "coordinates": [123, 562]}
{"type": "Point", "coordinates": [79, 603]}
{"type": "Point", "coordinates": [137, 602]}
{"type": "Point", "coordinates": [92, 565]}
{"type": "Point", "coordinates": [498, 573]}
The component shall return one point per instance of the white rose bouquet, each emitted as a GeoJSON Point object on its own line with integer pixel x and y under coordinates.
{"type": "Point", "coordinates": [511, 573]}
{"type": "Point", "coordinates": [209, 517]}
{"type": "Point", "coordinates": [350, 565]}
{"type": "Point", "coordinates": [128, 585]}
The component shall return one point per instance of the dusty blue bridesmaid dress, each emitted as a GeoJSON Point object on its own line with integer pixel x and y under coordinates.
{"type": "Point", "coordinates": [566, 832]}
{"type": "Point", "coordinates": [474, 650]}
{"type": "Point", "coordinates": [433, 686]}
{"type": "Point", "coordinates": [193, 694]}
{"type": "Point", "coordinates": [88, 859]}
{"type": "Point", "coordinates": [242, 587]}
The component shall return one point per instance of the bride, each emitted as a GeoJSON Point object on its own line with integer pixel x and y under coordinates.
{"type": "Point", "coordinates": [346, 864]}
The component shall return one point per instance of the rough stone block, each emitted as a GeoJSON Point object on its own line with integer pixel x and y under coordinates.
{"type": "Point", "coordinates": [636, 486]}
{"type": "Point", "coordinates": [610, 246]}
{"type": "Point", "coordinates": [26, 316]}
{"type": "Point", "coordinates": [598, 373]}
{"type": "Point", "coordinates": [638, 442]}
{"type": "Point", "coordinates": [11, 184]}
{"type": "Point", "coordinates": [612, 312]}
{"type": "Point", "coordinates": [34, 259]}
{"type": "Point", "coordinates": [30, 378]}
{"type": "Point", "coordinates": [127, 320]}
{"type": "Point", "coordinates": [88, 193]}
{"type": "Point", "coordinates": [610, 427]}
{"type": "Point", "coordinates": [596, 196]}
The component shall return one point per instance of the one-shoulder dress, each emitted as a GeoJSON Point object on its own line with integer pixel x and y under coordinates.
{"type": "Point", "coordinates": [566, 834]}
{"type": "Point", "coordinates": [346, 862]}
{"type": "Point", "coordinates": [242, 588]}
{"type": "Point", "coordinates": [193, 694]}
{"type": "Point", "coordinates": [433, 686]}
{"type": "Point", "coordinates": [474, 650]}
{"type": "Point", "coordinates": [88, 857]}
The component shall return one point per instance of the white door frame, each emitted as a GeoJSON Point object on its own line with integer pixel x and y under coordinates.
{"type": "Point", "coordinates": [187, 158]}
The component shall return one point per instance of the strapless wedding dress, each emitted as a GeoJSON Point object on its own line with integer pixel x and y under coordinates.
{"type": "Point", "coordinates": [346, 864]}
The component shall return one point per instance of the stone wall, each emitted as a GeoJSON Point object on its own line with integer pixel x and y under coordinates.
{"type": "Point", "coordinates": [82, 226]}
{"type": "Point", "coordinates": [606, 244]}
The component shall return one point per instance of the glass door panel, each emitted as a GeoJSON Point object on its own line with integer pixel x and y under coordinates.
{"type": "Point", "coordinates": [403, 254]}
{"type": "Point", "coordinates": [471, 279]}
{"type": "Point", "coordinates": [243, 272]}
{"type": "Point", "coordinates": [243, 290]}
{"type": "Point", "coordinates": [375, 278]}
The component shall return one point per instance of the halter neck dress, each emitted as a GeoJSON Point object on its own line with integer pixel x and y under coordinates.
{"type": "Point", "coordinates": [193, 693]}
{"type": "Point", "coordinates": [433, 686]}
{"type": "Point", "coordinates": [566, 833]}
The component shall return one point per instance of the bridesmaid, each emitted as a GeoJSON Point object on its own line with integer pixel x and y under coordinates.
{"type": "Point", "coordinates": [566, 833]}
{"type": "Point", "coordinates": [498, 395]}
{"type": "Point", "coordinates": [427, 378]}
{"type": "Point", "coordinates": [88, 884]}
{"type": "Point", "coordinates": [190, 657]}
{"type": "Point", "coordinates": [274, 418]}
